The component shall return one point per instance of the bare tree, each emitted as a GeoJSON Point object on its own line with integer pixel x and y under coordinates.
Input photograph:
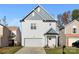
{"type": "Point", "coordinates": [64, 18]}
{"type": "Point", "coordinates": [4, 21]}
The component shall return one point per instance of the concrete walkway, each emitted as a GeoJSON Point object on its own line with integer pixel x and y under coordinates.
{"type": "Point", "coordinates": [31, 50]}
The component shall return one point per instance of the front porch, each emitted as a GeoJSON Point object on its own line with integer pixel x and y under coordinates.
{"type": "Point", "coordinates": [51, 38]}
{"type": "Point", "coordinates": [51, 41]}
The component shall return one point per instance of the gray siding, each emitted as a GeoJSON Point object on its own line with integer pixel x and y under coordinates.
{"type": "Point", "coordinates": [18, 36]}
{"type": "Point", "coordinates": [62, 38]}
{"type": "Point", "coordinates": [42, 15]}
{"type": "Point", "coordinates": [35, 17]}
{"type": "Point", "coordinates": [5, 37]}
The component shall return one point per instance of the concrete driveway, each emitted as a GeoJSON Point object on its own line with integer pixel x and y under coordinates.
{"type": "Point", "coordinates": [31, 50]}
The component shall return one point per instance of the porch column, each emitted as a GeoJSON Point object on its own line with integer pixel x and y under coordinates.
{"type": "Point", "coordinates": [56, 40]}
{"type": "Point", "coordinates": [46, 40]}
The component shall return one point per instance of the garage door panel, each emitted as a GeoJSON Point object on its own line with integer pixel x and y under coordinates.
{"type": "Point", "coordinates": [33, 42]}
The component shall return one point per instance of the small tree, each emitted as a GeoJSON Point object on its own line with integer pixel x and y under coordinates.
{"type": "Point", "coordinates": [75, 14]}
{"type": "Point", "coordinates": [4, 21]}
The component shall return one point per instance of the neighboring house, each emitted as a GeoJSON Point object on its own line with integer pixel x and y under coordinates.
{"type": "Point", "coordinates": [39, 29]}
{"type": "Point", "coordinates": [69, 34]}
{"type": "Point", "coordinates": [15, 36]}
{"type": "Point", "coordinates": [4, 36]}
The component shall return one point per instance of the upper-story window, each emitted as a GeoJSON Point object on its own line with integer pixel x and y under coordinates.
{"type": "Point", "coordinates": [33, 14]}
{"type": "Point", "coordinates": [33, 26]}
{"type": "Point", "coordinates": [50, 24]}
{"type": "Point", "coordinates": [38, 9]}
{"type": "Point", "coordinates": [74, 29]}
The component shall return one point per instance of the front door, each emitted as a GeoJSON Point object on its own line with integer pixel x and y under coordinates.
{"type": "Point", "coordinates": [51, 41]}
{"type": "Point", "coordinates": [11, 42]}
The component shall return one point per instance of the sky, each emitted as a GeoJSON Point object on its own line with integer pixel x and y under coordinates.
{"type": "Point", "coordinates": [16, 12]}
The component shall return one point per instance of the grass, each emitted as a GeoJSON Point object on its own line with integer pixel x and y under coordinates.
{"type": "Point", "coordinates": [68, 50]}
{"type": "Point", "coordinates": [9, 50]}
{"type": "Point", "coordinates": [53, 50]}
{"type": "Point", "coordinates": [71, 50]}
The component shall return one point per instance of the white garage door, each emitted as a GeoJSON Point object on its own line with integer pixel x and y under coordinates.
{"type": "Point", "coordinates": [72, 40]}
{"type": "Point", "coordinates": [33, 42]}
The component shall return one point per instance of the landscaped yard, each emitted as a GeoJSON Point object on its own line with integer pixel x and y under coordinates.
{"type": "Point", "coordinates": [68, 50]}
{"type": "Point", "coordinates": [9, 50]}
{"type": "Point", "coordinates": [53, 50]}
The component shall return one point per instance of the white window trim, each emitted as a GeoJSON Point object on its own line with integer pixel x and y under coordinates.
{"type": "Point", "coordinates": [33, 14]}
{"type": "Point", "coordinates": [38, 9]}
{"type": "Point", "coordinates": [74, 27]}
{"type": "Point", "coordinates": [33, 26]}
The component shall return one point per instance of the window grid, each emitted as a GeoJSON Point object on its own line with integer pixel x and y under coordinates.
{"type": "Point", "coordinates": [33, 26]}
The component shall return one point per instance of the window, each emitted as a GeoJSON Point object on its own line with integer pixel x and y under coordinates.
{"type": "Point", "coordinates": [50, 24]}
{"type": "Point", "coordinates": [74, 30]}
{"type": "Point", "coordinates": [33, 14]}
{"type": "Point", "coordinates": [33, 26]}
{"type": "Point", "coordinates": [38, 9]}
{"type": "Point", "coordinates": [49, 38]}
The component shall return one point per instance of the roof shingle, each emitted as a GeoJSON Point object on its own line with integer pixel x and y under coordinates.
{"type": "Point", "coordinates": [51, 31]}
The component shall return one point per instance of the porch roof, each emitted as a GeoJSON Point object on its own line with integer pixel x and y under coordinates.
{"type": "Point", "coordinates": [51, 31]}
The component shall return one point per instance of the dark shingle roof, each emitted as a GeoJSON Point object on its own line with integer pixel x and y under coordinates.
{"type": "Point", "coordinates": [51, 31]}
{"type": "Point", "coordinates": [43, 14]}
{"type": "Point", "coordinates": [12, 27]}
{"type": "Point", "coordinates": [29, 14]}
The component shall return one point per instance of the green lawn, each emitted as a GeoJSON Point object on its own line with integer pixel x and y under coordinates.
{"type": "Point", "coordinates": [68, 50]}
{"type": "Point", "coordinates": [71, 50]}
{"type": "Point", "coordinates": [53, 50]}
{"type": "Point", "coordinates": [9, 50]}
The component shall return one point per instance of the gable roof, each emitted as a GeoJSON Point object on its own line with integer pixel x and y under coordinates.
{"type": "Point", "coordinates": [51, 31]}
{"type": "Point", "coordinates": [43, 14]}
{"type": "Point", "coordinates": [69, 24]}
{"type": "Point", "coordinates": [3, 25]}
{"type": "Point", "coordinates": [12, 28]}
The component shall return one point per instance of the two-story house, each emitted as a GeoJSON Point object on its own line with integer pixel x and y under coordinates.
{"type": "Point", "coordinates": [39, 29]}
{"type": "Point", "coordinates": [4, 36]}
{"type": "Point", "coordinates": [15, 36]}
{"type": "Point", "coordinates": [69, 34]}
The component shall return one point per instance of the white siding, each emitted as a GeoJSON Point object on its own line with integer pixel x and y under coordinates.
{"type": "Point", "coordinates": [42, 28]}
